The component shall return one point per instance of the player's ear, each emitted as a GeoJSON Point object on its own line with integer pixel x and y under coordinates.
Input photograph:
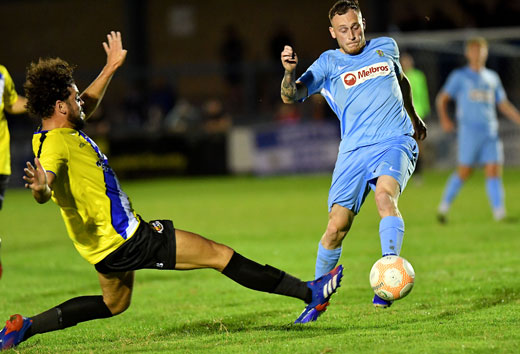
{"type": "Point", "coordinates": [332, 33]}
{"type": "Point", "coordinates": [60, 107]}
{"type": "Point", "coordinates": [364, 25]}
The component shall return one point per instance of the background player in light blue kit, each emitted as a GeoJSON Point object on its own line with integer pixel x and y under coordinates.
{"type": "Point", "coordinates": [476, 90]}
{"type": "Point", "coordinates": [364, 85]}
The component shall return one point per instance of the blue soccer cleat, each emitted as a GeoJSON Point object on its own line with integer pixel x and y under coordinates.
{"type": "Point", "coordinates": [322, 289]}
{"type": "Point", "coordinates": [382, 303]}
{"type": "Point", "coordinates": [13, 332]}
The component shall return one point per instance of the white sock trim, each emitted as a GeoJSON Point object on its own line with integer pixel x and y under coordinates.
{"type": "Point", "coordinates": [444, 207]}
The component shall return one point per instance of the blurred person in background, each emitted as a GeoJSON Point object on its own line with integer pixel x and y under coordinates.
{"type": "Point", "coordinates": [477, 91]}
{"type": "Point", "coordinates": [421, 100]}
{"type": "Point", "coordinates": [71, 170]}
{"type": "Point", "coordinates": [161, 100]}
{"type": "Point", "coordinates": [216, 119]}
{"type": "Point", "coordinates": [365, 86]}
{"type": "Point", "coordinates": [12, 103]}
{"type": "Point", "coordinates": [232, 53]}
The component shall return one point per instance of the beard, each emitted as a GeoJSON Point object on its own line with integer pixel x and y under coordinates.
{"type": "Point", "coordinates": [76, 119]}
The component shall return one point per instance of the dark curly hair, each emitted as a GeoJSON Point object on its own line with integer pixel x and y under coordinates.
{"type": "Point", "coordinates": [47, 81]}
{"type": "Point", "coordinates": [341, 7]}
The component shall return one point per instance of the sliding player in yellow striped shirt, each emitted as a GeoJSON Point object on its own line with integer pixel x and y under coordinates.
{"type": "Point", "coordinates": [100, 219]}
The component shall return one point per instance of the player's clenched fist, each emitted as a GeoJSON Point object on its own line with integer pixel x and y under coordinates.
{"type": "Point", "coordinates": [289, 58]}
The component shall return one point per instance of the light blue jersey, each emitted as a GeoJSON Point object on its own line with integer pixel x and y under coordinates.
{"type": "Point", "coordinates": [476, 94]}
{"type": "Point", "coordinates": [363, 91]}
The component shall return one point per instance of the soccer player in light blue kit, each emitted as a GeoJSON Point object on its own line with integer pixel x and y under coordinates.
{"type": "Point", "coordinates": [364, 85]}
{"type": "Point", "coordinates": [476, 90]}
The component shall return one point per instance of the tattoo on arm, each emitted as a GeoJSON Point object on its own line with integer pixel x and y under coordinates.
{"type": "Point", "coordinates": [289, 88]}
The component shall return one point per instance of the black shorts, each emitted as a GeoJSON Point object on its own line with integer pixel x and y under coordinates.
{"type": "Point", "coordinates": [4, 180]}
{"type": "Point", "coordinates": [152, 246]}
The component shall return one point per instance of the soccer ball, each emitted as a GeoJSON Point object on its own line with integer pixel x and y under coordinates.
{"type": "Point", "coordinates": [392, 278]}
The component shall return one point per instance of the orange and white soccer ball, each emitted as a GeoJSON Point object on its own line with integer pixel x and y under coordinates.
{"type": "Point", "coordinates": [392, 278]}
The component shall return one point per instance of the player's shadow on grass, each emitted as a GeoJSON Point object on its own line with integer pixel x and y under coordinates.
{"type": "Point", "coordinates": [498, 297]}
{"type": "Point", "coordinates": [244, 323]}
{"type": "Point", "coordinates": [501, 296]}
{"type": "Point", "coordinates": [511, 220]}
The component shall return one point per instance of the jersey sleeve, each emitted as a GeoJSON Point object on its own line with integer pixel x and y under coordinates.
{"type": "Point", "coordinates": [10, 96]}
{"type": "Point", "coordinates": [393, 53]}
{"type": "Point", "coordinates": [315, 76]}
{"type": "Point", "coordinates": [500, 93]}
{"type": "Point", "coordinates": [452, 85]}
{"type": "Point", "coordinates": [52, 152]}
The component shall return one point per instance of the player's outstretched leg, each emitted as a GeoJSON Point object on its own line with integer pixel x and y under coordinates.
{"type": "Point", "coordinates": [194, 251]}
{"type": "Point", "coordinates": [13, 332]}
{"type": "Point", "coordinates": [322, 289]}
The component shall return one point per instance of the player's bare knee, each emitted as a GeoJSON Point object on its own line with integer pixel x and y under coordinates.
{"type": "Point", "coordinates": [386, 203]}
{"type": "Point", "coordinates": [384, 199]}
{"type": "Point", "coordinates": [117, 306]}
{"type": "Point", "coordinates": [334, 235]}
{"type": "Point", "coordinates": [493, 171]}
{"type": "Point", "coordinates": [221, 254]}
{"type": "Point", "coordinates": [464, 172]}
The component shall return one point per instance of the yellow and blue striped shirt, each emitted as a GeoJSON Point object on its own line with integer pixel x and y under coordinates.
{"type": "Point", "coordinates": [8, 97]}
{"type": "Point", "coordinates": [97, 213]}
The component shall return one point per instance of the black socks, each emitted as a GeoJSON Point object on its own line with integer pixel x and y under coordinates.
{"type": "Point", "coordinates": [265, 278]}
{"type": "Point", "coordinates": [68, 314]}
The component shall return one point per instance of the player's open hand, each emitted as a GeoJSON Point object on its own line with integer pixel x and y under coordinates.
{"type": "Point", "coordinates": [289, 58]}
{"type": "Point", "coordinates": [420, 129]}
{"type": "Point", "coordinates": [114, 48]}
{"type": "Point", "coordinates": [35, 177]}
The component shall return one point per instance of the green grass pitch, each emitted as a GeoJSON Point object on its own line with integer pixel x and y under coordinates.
{"type": "Point", "coordinates": [466, 296]}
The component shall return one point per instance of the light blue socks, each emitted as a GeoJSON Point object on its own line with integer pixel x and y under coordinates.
{"type": "Point", "coordinates": [326, 260]}
{"type": "Point", "coordinates": [495, 192]}
{"type": "Point", "coordinates": [450, 192]}
{"type": "Point", "coordinates": [391, 232]}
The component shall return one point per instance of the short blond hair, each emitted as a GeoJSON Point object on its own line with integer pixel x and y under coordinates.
{"type": "Point", "coordinates": [481, 41]}
{"type": "Point", "coordinates": [341, 7]}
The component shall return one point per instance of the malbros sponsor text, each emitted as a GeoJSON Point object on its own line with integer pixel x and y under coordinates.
{"type": "Point", "coordinates": [354, 78]}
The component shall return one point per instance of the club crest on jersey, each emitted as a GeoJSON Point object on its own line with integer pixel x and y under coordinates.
{"type": "Point", "coordinates": [354, 78]}
{"type": "Point", "coordinates": [103, 164]}
{"type": "Point", "coordinates": [380, 53]}
{"type": "Point", "coordinates": [157, 226]}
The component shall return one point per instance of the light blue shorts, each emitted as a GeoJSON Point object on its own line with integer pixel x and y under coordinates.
{"type": "Point", "coordinates": [476, 147]}
{"type": "Point", "coordinates": [357, 171]}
